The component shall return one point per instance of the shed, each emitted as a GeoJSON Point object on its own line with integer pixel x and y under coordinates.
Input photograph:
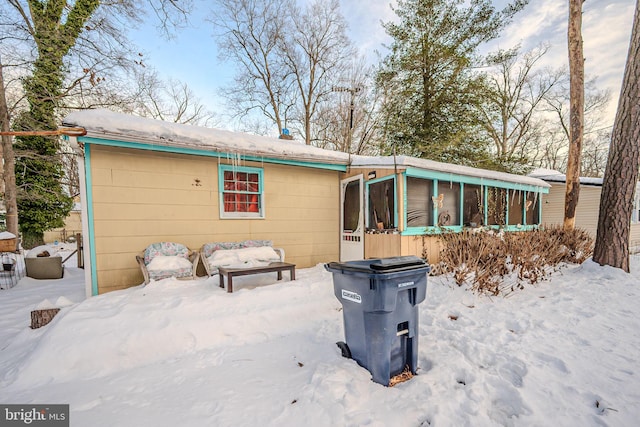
{"type": "Point", "coordinates": [588, 207]}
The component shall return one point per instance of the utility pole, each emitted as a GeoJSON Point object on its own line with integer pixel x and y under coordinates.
{"type": "Point", "coordinates": [352, 91]}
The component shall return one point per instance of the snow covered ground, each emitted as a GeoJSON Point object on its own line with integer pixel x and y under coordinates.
{"type": "Point", "coordinates": [186, 353]}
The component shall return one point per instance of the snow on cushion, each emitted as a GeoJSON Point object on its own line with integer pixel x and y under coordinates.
{"type": "Point", "coordinates": [260, 253]}
{"type": "Point", "coordinates": [244, 257]}
{"type": "Point", "coordinates": [7, 235]}
{"type": "Point", "coordinates": [224, 257]}
{"type": "Point", "coordinates": [166, 249]}
{"type": "Point", "coordinates": [166, 263]}
{"type": "Point", "coordinates": [210, 248]}
{"type": "Point", "coordinates": [42, 251]}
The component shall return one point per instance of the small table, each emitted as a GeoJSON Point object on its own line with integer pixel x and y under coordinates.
{"type": "Point", "coordinates": [278, 267]}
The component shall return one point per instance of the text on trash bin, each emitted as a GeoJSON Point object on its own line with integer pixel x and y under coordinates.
{"type": "Point", "coordinates": [351, 296]}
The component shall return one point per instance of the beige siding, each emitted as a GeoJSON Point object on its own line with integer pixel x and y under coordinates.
{"type": "Point", "coordinates": [588, 207]}
{"type": "Point", "coordinates": [141, 197]}
{"type": "Point", "coordinates": [389, 245]}
{"type": "Point", "coordinates": [381, 245]}
{"type": "Point", "coordinates": [427, 247]}
{"type": "Point", "coordinates": [586, 213]}
{"type": "Point", "coordinates": [634, 238]}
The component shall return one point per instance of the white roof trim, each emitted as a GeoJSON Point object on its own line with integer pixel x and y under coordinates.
{"type": "Point", "coordinates": [406, 161]}
{"type": "Point", "coordinates": [106, 124]}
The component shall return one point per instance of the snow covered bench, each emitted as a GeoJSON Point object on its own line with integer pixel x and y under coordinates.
{"type": "Point", "coordinates": [246, 254]}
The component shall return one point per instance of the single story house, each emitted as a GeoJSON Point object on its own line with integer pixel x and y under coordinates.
{"type": "Point", "coordinates": [588, 203]}
{"type": "Point", "coordinates": [146, 181]}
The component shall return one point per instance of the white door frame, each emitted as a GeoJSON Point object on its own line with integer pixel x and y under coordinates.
{"type": "Point", "coordinates": [352, 241]}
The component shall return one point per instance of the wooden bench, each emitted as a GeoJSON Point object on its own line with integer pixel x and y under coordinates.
{"type": "Point", "coordinates": [278, 267]}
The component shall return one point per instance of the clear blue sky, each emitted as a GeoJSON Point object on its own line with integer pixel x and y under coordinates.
{"type": "Point", "coordinates": [192, 58]}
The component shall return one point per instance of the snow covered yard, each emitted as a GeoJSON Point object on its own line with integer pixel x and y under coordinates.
{"type": "Point", "coordinates": [565, 352]}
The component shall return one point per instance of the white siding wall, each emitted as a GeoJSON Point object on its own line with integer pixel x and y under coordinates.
{"type": "Point", "coordinates": [587, 213]}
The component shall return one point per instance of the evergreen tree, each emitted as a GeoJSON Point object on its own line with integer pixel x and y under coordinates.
{"type": "Point", "coordinates": [42, 203]}
{"type": "Point", "coordinates": [430, 91]}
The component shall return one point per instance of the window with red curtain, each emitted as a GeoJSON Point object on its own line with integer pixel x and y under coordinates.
{"type": "Point", "coordinates": [241, 191]}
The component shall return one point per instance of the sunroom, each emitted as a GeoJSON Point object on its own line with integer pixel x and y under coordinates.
{"type": "Point", "coordinates": [394, 206]}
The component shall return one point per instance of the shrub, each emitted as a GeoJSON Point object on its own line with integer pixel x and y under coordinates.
{"type": "Point", "coordinates": [499, 263]}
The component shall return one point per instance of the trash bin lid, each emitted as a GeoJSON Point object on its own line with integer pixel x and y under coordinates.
{"type": "Point", "coordinates": [397, 263]}
{"type": "Point", "coordinates": [380, 265]}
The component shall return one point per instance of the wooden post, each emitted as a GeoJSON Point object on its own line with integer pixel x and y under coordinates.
{"type": "Point", "coordinates": [80, 251]}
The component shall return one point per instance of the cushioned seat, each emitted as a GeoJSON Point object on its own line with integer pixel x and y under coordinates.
{"type": "Point", "coordinates": [163, 260]}
{"type": "Point", "coordinates": [218, 254]}
{"type": "Point", "coordinates": [44, 267]}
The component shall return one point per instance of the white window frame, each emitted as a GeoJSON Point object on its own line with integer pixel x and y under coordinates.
{"type": "Point", "coordinates": [241, 169]}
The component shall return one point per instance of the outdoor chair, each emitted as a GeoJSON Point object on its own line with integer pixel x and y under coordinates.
{"type": "Point", "coordinates": [168, 259]}
{"type": "Point", "coordinates": [208, 250]}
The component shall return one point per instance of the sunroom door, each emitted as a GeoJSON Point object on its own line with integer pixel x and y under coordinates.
{"type": "Point", "coordinates": [352, 219]}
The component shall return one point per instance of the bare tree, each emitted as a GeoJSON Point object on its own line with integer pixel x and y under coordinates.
{"type": "Point", "coordinates": [287, 58]}
{"type": "Point", "coordinates": [576, 120]}
{"type": "Point", "coordinates": [552, 152]}
{"type": "Point", "coordinates": [316, 49]}
{"type": "Point", "coordinates": [347, 120]}
{"type": "Point", "coordinates": [515, 92]}
{"type": "Point", "coordinates": [621, 176]}
{"type": "Point", "coordinates": [171, 101]}
{"type": "Point", "coordinates": [250, 33]}
{"type": "Point", "coordinates": [595, 102]}
{"type": "Point", "coordinates": [594, 153]}
{"type": "Point", "coordinates": [101, 50]}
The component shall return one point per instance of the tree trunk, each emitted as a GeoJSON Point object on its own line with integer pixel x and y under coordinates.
{"type": "Point", "coordinates": [40, 318]}
{"type": "Point", "coordinates": [621, 175]}
{"type": "Point", "coordinates": [8, 172]}
{"type": "Point", "coordinates": [576, 112]}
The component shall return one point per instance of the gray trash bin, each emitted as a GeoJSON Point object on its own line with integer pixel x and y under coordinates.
{"type": "Point", "coordinates": [379, 303]}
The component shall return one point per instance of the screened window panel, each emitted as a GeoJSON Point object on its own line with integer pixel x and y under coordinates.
{"type": "Point", "coordinates": [382, 204]}
{"type": "Point", "coordinates": [419, 204]}
{"type": "Point", "coordinates": [473, 208]}
{"type": "Point", "coordinates": [533, 208]}
{"type": "Point", "coordinates": [449, 212]}
{"type": "Point", "coordinates": [496, 206]}
{"type": "Point", "coordinates": [351, 209]}
{"type": "Point", "coordinates": [516, 206]}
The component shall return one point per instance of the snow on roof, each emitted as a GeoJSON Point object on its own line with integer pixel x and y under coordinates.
{"type": "Point", "coordinates": [406, 161]}
{"type": "Point", "coordinates": [551, 175]}
{"type": "Point", "coordinates": [107, 124]}
{"type": "Point", "coordinates": [540, 172]}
